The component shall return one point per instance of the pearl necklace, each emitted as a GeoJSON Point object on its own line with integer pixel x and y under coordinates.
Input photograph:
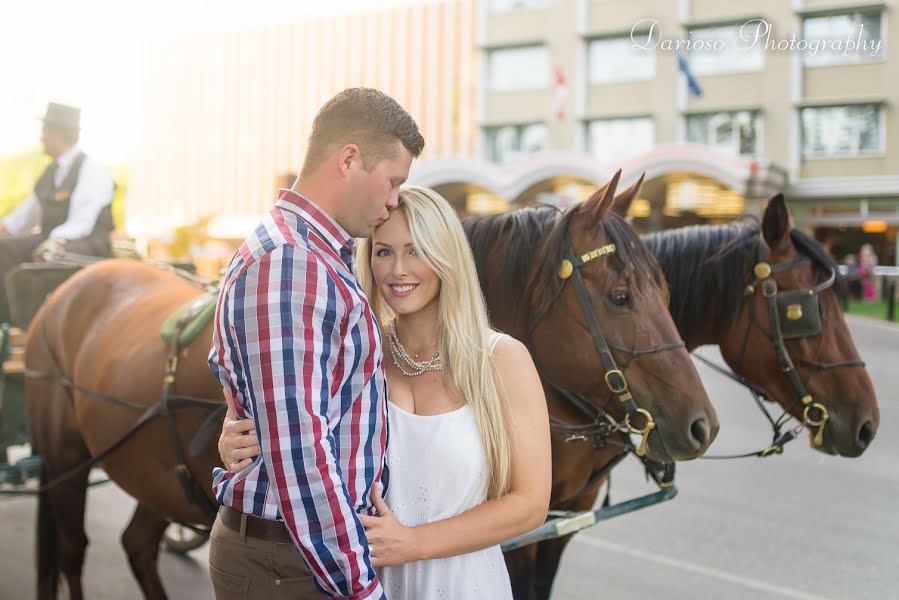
{"type": "Point", "coordinates": [399, 353]}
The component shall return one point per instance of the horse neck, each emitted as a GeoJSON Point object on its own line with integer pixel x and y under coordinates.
{"type": "Point", "coordinates": [688, 287]}
{"type": "Point", "coordinates": [508, 304]}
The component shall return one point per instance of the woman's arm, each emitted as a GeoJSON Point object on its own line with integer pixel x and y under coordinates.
{"type": "Point", "coordinates": [522, 509]}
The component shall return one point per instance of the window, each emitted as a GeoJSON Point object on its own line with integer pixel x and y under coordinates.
{"type": "Point", "coordinates": [852, 130]}
{"type": "Point", "coordinates": [617, 59]}
{"type": "Point", "coordinates": [510, 143]}
{"type": "Point", "coordinates": [509, 5]}
{"type": "Point", "coordinates": [829, 38]}
{"type": "Point", "coordinates": [736, 133]}
{"type": "Point", "coordinates": [725, 49]}
{"type": "Point", "coordinates": [513, 69]}
{"type": "Point", "coordinates": [614, 140]}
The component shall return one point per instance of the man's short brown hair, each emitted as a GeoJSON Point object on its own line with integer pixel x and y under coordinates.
{"type": "Point", "coordinates": [366, 117]}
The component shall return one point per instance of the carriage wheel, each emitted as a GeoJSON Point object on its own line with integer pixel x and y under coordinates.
{"type": "Point", "coordinates": [181, 540]}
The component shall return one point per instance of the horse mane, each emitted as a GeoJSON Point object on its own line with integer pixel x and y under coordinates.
{"type": "Point", "coordinates": [710, 265]}
{"type": "Point", "coordinates": [533, 242]}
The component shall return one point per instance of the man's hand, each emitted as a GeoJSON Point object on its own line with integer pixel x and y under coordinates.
{"type": "Point", "coordinates": [389, 541]}
{"type": "Point", "coordinates": [238, 444]}
{"type": "Point", "coordinates": [3, 231]}
{"type": "Point", "coordinates": [49, 250]}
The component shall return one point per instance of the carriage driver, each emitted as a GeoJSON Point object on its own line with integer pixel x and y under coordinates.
{"type": "Point", "coordinates": [70, 207]}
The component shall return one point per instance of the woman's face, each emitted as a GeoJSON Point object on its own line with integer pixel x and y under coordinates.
{"type": "Point", "coordinates": [405, 281]}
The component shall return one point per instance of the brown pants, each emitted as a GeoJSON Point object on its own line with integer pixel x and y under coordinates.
{"type": "Point", "coordinates": [245, 568]}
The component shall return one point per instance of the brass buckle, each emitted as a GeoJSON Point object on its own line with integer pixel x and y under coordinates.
{"type": "Point", "coordinates": [772, 449]}
{"type": "Point", "coordinates": [609, 384]}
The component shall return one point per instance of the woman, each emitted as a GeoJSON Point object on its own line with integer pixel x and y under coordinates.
{"type": "Point", "coordinates": [867, 263]}
{"type": "Point", "coordinates": [469, 451]}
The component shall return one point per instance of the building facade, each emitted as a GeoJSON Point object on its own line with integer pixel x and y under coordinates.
{"type": "Point", "coordinates": [226, 115]}
{"type": "Point", "coordinates": [776, 100]}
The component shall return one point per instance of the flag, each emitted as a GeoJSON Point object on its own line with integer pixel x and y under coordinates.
{"type": "Point", "coordinates": [684, 67]}
{"type": "Point", "coordinates": [560, 92]}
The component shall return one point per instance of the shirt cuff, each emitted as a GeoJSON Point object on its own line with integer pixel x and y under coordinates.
{"type": "Point", "coordinates": [373, 591]}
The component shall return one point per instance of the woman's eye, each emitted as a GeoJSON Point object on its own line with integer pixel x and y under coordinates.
{"type": "Point", "coordinates": [382, 252]}
{"type": "Point", "coordinates": [620, 299]}
{"type": "Point", "coordinates": [413, 252]}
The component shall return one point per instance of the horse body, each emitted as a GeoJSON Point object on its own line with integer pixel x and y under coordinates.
{"type": "Point", "coordinates": [102, 328]}
{"type": "Point", "coordinates": [517, 256]}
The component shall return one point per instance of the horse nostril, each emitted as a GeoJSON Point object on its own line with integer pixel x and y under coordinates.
{"type": "Point", "coordinates": [699, 430]}
{"type": "Point", "coordinates": [866, 434]}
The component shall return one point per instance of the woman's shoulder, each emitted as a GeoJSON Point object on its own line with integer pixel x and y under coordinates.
{"type": "Point", "coordinates": [507, 352]}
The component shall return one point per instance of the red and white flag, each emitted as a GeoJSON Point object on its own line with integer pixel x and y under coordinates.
{"type": "Point", "coordinates": [560, 92]}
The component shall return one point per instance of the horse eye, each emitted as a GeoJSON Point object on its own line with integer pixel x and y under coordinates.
{"type": "Point", "coordinates": [620, 299]}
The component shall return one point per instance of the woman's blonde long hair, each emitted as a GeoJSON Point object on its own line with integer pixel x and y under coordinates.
{"type": "Point", "coordinates": [463, 327]}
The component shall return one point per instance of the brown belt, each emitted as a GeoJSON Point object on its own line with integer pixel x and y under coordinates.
{"type": "Point", "coordinates": [256, 527]}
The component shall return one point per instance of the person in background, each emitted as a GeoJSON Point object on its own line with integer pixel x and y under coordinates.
{"type": "Point", "coordinates": [70, 208]}
{"type": "Point", "coordinates": [853, 276]}
{"type": "Point", "coordinates": [867, 262]}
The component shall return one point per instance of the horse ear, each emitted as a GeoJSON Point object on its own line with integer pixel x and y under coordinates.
{"type": "Point", "coordinates": [624, 200]}
{"type": "Point", "coordinates": [598, 205]}
{"type": "Point", "coordinates": [777, 222]}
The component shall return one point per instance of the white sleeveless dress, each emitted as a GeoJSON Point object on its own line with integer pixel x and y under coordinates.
{"type": "Point", "coordinates": [438, 469]}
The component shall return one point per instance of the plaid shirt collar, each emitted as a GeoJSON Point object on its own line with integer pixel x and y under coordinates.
{"type": "Point", "coordinates": [323, 224]}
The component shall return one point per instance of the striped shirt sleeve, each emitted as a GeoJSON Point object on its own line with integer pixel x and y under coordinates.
{"type": "Point", "coordinates": [287, 321]}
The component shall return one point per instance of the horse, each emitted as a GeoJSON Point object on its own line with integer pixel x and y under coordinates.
{"type": "Point", "coordinates": [716, 298]}
{"type": "Point", "coordinates": [100, 331]}
{"type": "Point", "coordinates": [520, 258]}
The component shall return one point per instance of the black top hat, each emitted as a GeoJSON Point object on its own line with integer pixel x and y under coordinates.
{"type": "Point", "coordinates": [62, 115]}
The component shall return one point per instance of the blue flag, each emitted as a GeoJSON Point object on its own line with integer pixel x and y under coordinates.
{"type": "Point", "coordinates": [684, 67]}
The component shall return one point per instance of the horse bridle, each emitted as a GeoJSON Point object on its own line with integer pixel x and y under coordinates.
{"type": "Point", "coordinates": [794, 314]}
{"type": "Point", "coordinates": [614, 377]}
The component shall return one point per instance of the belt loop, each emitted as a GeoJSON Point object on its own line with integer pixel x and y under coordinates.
{"type": "Point", "coordinates": [243, 528]}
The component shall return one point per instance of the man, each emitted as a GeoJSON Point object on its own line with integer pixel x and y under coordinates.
{"type": "Point", "coordinates": [70, 205]}
{"type": "Point", "coordinates": [297, 347]}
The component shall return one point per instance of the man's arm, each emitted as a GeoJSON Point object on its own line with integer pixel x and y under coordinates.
{"type": "Point", "coordinates": [93, 191]}
{"type": "Point", "coordinates": [23, 218]}
{"type": "Point", "coordinates": [286, 322]}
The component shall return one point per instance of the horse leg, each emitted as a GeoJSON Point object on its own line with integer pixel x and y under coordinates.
{"type": "Point", "coordinates": [141, 542]}
{"type": "Point", "coordinates": [549, 552]}
{"type": "Point", "coordinates": [521, 564]}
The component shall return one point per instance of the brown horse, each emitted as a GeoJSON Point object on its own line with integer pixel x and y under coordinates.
{"type": "Point", "coordinates": [102, 327]}
{"type": "Point", "coordinates": [518, 257]}
{"type": "Point", "coordinates": [102, 330]}
{"type": "Point", "coordinates": [707, 269]}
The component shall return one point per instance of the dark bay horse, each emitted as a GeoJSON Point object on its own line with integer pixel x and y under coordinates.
{"type": "Point", "coordinates": [518, 256]}
{"type": "Point", "coordinates": [708, 269]}
{"type": "Point", "coordinates": [102, 326]}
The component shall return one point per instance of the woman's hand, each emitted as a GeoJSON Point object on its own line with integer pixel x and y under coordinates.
{"type": "Point", "coordinates": [390, 542]}
{"type": "Point", "coordinates": [238, 444]}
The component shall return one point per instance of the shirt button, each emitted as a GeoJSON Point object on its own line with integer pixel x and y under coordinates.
{"type": "Point", "coordinates": [277, 582]}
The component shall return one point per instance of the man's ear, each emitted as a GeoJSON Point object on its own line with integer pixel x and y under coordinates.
{"type": "Point", "coordinates": [346, 156]}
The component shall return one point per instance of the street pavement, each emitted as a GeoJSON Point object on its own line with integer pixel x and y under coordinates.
{"type": "Point", "coordinates": [802, 525]}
